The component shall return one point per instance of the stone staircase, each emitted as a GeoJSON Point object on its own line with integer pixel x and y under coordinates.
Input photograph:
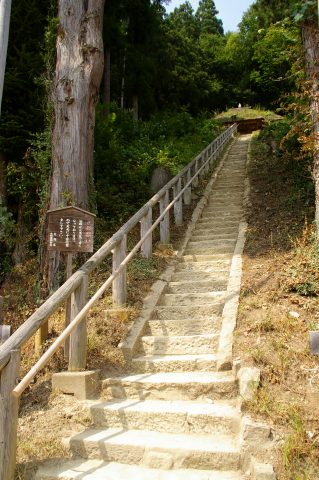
{"type": "Point", "coordinates": [176, 415]}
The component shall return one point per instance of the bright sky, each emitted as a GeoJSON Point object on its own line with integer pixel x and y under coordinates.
{"type": "Point", "coordinates": [230, 11]}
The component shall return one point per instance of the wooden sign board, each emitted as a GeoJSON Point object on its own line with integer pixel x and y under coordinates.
{"type": "Point", "coordinates": [70, 229]}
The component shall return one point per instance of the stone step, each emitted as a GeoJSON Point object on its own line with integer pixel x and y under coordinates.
{"type": "Point", "coordinates": [204, 236]}
{"type": "Point", "coordinates": [220, 186]}
{"type": "Point", "coordinates": [222, 207]}
{"type": "Point", "coordinates": [206, 250]}
{"type": "Point", "coordinates": [218, 231]}
{"type": "Point", "coordinates": [178, 345]}
{"type": "Point", "coordinates": [199, 386]}
{"type": "Point", "coordinates": [212, 266]}
{"type": "Point", "coordinates": [212, 212]}
{"type": "Point", "coordinates": [80, 469]}
{"type": "Point", "coordinates": [230, 188]}
{"type": "Point", "coordinates": [220, 216]}
{"type": "Point", "coordinates": [198, 286]}
{"type": "Point", "coordinates": [184, 326]}
{"type": "Point", "coordinates": [215, 219]}
{"type": "Point", "coordinates": [211, 243]}
{"type": "Point", "coordinates": [188, 299]}
{"type": "Point", "coordinates": [200, 276]}
{"type": "Point", "coordinates": [175, 363]}
{"type": "Point", "coordinates": [142, 447]}
{"type": "Point", "coordinates": [195, 312]}
{"type": "Point", "coordinates": [217, 222]}
{"type": "Point", "coordinates": [167, 417]}
{"type": "Point", "coordinates": [217, 257]}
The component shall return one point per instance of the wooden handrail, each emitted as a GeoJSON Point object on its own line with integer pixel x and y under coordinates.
{"type": "Point", "coordinates": [40, 316]}
{"type": "Point", "coordinates": [43, 361]}
{"type": "Point", "coordinates": [77, 286]}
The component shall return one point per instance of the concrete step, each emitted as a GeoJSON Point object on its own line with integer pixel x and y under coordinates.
{"type": "Point", "coordinates": [198, 237]}
{"type": "Point", "coordinates": [219, 213]}
{"type": "Point", "coordinates": [214, 257]}
{"type": "Point", "coordinates": [218, 242]}
{"type": "Point", "coordinates": [219, 208]}
{"type": "Point", "coordinates": [167, 417]}
{"type": "Point", "coordinates": [227, 194]}
{"type": "Point", "coordinates": [218, 230]}
{"type": "Point", "coordinates": [200, 276]}
{"type": "Point", "coordinates": [199, 386]}
{"type": "Point", "coordinates": [139, 447]}
{"type": "Point", "coordinates": [206, 250]}
{"type": "Point", "coordinates": [195, 312]}
{"type": "Point", "coordinates": [80, 469]}
{"type": "Point", "coordinates": [218, 217]}
{"type": "Point", "coordinates": [178, 345]}
{"type": "Point", "coordinates": [175, 363]}
{"type": "Point", "coordinates": [184, 326]}
{"type": "Point", "coordinates": [188, 299]}
{"type": "Point", "coordinates": [198, 286]}
{"type": "Point", "coordinates": [217, 222]}
{"type": "Point", "coordinates": [212, 266]}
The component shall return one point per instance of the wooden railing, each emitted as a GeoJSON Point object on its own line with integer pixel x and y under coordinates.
{"type": "Point", "coordinates": [77, 287]}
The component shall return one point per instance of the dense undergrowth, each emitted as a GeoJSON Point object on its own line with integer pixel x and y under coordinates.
{"type": "Point", "coordinates": [126, 154]}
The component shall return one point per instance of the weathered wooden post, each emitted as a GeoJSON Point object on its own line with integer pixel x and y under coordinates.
{"type": "Point", "coordinates": [202, 172]}
{"type": "Point", "coordinates": [119, 283]}
{"type": "Point", "coordinates": [78, 338]}
{"type": "Point", "coordinates": [188, 191]}
{"type": "Point", "coordinates": [68, 305]}
{"type": "Point", "coordinates": [164, 224]}
{"type": "Point", "coordinates": [206, 156]}
{"type": "Point", "coordinates": [9, 408]}
{"type": "Point", "coordinates": [146, 224]}
{"type": "Point", "coordinates": [178, 206]}
{"type": "Point", "coordinates": [195, 181]}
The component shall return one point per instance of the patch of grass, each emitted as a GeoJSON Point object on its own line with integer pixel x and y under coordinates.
{"type": "Point", "coordinates": [245, 113]}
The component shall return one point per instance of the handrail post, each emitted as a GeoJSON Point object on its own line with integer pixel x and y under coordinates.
{"type": "Point", "coordinates": [178, 206]}
{"type": "Point", "coordinates": [119, 283]}
{"type": "Point", "coordinates": [78, 338]}
{"type": "Point", "coordinates": [195, 182]}
{"type": "Point", "coordinates": [188, 191]}
{"type": "Point", "coordinates": [146, 224]}
{"type": "Point", "coordinates": [202, 173]}
{"type": "Point", "coordinates": [9, 408]}
{"type": "Point", "coordinates": [164, 224]}
{"type": "Point", "coordinates": [206, 169]}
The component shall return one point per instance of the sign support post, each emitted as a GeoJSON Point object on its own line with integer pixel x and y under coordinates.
{"type": "Point", "coordinates": [68, 306]}
{"type": "Point", "coordinates": [70, 230]}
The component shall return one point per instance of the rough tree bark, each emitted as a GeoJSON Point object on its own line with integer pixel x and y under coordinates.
{"type": "Point", "coordinates": [107, 82]}
{"type": "Point", "coordinates": [79, 70]}
{"type": "Point", "coordinates": [310, 36]}
{"type": "Point", "coordinates": [5, 11]}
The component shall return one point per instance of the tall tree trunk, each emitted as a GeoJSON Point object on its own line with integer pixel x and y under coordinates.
{"type": "Point", "coordinates": [5, 11]}
{"type": "Point", "coordinates": [135, 109]}
{"type": "Point", "coordinates": [107, 82]}
{"type": "Point", "coordinates": [123, 82]}
{"type": "Point", "coordinates": [310, 36]}
{"type": "Point", "coordinates": [78, 75]}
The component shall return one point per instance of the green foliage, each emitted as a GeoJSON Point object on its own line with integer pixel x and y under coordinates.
{"type": "Point", "coordinates": [130, 154]}
{"type": "Point", "coordinates": [308, 9]}
{"type": "Point", "coordinates": [7, 226]}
